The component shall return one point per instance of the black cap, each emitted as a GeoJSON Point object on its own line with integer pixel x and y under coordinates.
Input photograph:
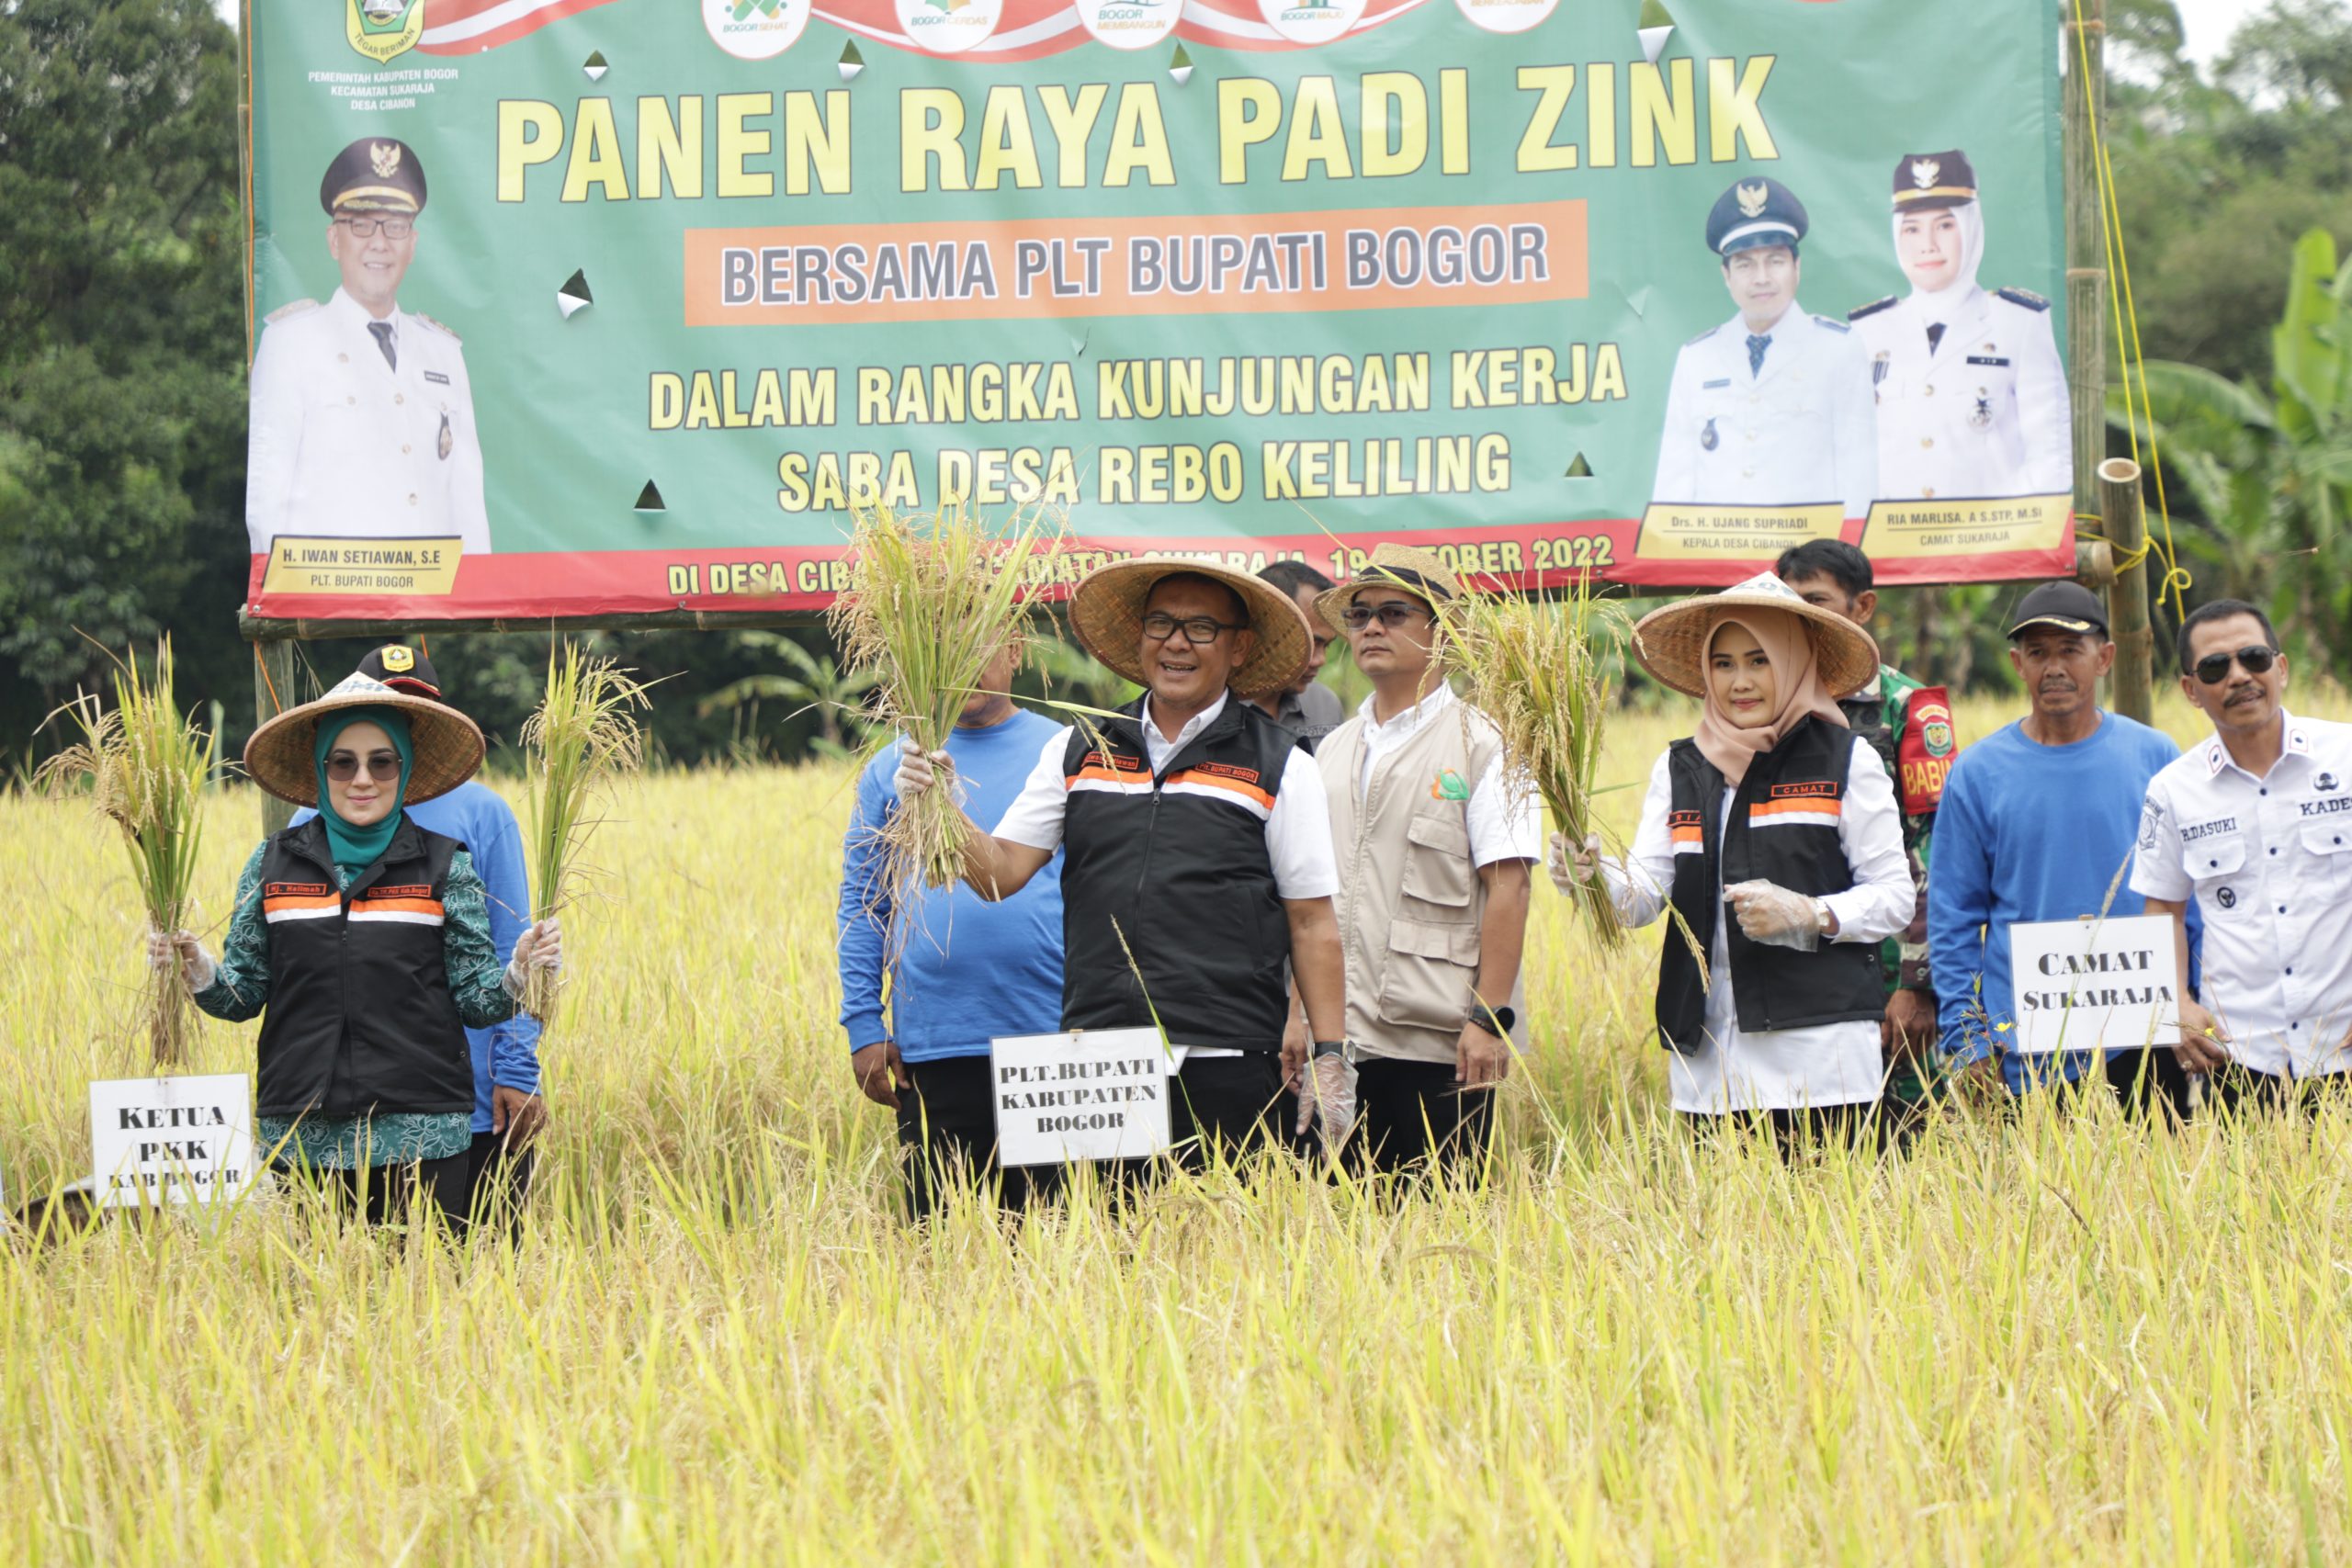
{"type": "Point", "coordinates": [404, 668]}
{"type": "Point", "coordinates": [1927, 180]}
{"type": "Point", "coordinates": [374, 174]}
{"type": "Point", "coordinates": [2064, 607]}
{"type": "Point", "coordinates": [1755, 212]}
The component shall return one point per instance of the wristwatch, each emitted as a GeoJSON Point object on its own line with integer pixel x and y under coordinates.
{"type": "Point", "coordinates": [1823, 919]}
{"type": "Point", "coordinates": [1329, 1048]}
{"type": "Point", "coordinates": [1496, 1021]}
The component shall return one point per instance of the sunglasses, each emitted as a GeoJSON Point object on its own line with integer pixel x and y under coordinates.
{"type": "Point", "coordinates": [1355, 617]}
{"type": "Point", "coordinates": [2214, 667]}
{"type": "Point", "coordinates": [343, 767]}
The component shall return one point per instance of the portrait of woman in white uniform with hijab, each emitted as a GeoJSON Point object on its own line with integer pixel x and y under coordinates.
{"type": "Point", "coordinates": [1971, 394]}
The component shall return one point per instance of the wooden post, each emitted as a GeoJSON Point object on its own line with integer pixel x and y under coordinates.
{"type": "Point", "coordinates": [273, 691]}
{"type": "Point", "coordinates": [2081, 115]}
{"type": "Point", "coordinates": [2127, 599]}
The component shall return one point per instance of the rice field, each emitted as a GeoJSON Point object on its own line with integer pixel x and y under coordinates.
{"type": "Point", "coordinates": [2060, 1340]}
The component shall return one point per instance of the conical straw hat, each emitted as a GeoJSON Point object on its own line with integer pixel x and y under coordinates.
{"type": "Point", "coordinates": [1107, 612]}
{"type": "Point", "coordinates": [1671, 642]}
{"type": "Point", "coordinates": [1405, 566]}
{"type": "Point", "coordinates": [447, 745]}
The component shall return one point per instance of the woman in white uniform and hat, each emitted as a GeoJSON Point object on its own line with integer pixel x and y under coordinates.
{"type": "Point", "coordinates": [363, 943]}
{"type": "Point", "coordinates": [1773, 835]}
{"type": "Point", "coordinates": [1971, 394]}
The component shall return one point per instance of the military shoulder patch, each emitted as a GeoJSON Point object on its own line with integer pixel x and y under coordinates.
{"type": "Point", "coordinates": [421, 316]}
{"type": "Point", "coordinates": [288, 312]}
{"type": "Point", "coordinates": [1833, 323]}
{"type": "Point", "coordinates": [1705, 335]}
{"type": "Point", "coordinates": [2025, 297]}
{"type": "Point", "coordinates": [1872, 309]}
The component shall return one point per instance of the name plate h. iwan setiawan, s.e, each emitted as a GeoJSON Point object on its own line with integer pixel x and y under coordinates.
{"type": "Point", "coordinates": [364, 567]}
{"type": "Point", "coordinates": [1087, 1094]}
{"type": "Point", "coordinates": [2094, 985]}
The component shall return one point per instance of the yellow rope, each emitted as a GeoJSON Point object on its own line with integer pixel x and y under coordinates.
{"type": "Point", "coordinates": [2126, 316]}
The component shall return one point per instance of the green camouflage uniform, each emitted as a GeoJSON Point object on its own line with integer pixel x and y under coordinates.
{"type": "Point", "coordinates": [1879, 714]}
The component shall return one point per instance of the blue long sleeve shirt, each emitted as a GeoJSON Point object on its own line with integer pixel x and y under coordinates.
{"type": "Point", "coordinates": [966, 971]}
{"type": "Point", "coordinates": [2028, 832]}
{"type": "Point", "coordinates": [505, 1055]}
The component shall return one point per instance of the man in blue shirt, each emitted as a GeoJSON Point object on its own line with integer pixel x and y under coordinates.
{"type": "Point", "coordinates": [2039, 822]}
{"type": "Point", "coordinates": [962, 971]}
{"type": "Point", "coordinates": [508, 1112]}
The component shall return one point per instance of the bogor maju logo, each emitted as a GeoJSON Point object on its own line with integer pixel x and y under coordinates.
{"type": "Point", "coordinates": [383, 29]}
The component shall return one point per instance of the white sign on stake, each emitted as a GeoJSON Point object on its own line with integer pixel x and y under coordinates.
{"type": "Point", "coordinates": [176, 1140]}
{"type": "Point", "coordinates": [2087, 985]}
{"type": "Point", "coordinates": [1088, 1094]}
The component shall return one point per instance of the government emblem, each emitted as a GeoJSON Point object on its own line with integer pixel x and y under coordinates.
{"type": "Point", "coordinates": [1708, 439]}
{"type": "Point", "coordinates": [383, 29]}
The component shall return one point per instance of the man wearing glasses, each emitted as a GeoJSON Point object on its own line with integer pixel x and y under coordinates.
{"type": "Point", "coordinates": [1434, 843]}
{"type": "Point", "coordinates": [2255, 825]}
{"type": "Point", "coordinates": [363, 420]}
{"type": "Point", "coordinates": [1196, 850]}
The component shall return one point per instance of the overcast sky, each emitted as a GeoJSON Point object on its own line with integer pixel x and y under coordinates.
{"type": "Point", "coordinates": [2209, 22]}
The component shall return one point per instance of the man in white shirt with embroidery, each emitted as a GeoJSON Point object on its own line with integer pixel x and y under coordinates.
{"type": "Point", "coordinates": [2255, 825]}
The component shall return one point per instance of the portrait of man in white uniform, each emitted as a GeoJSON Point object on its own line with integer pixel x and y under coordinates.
{"type": "Point", "coordinates": [363, 420]}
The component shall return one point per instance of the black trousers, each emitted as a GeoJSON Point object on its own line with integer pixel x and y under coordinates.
{"type": "Point", "coordinates": [2238, 1090]}
{"type": "Point", "coordinates": [382, 1194]}
{"type": "Point", "coordinates": [947, 1139]}
{"type": "Point", "coordinates": [498, 1178]}
{"type": "Point", "coordinates": [1415, 1117]}
{"type": "Point", "coordinates": [2149, 1079]}
{"type": "Point", "coordinates": [1229, 1103]}
{"type": "Point", "coordinates": [1856, 1126]}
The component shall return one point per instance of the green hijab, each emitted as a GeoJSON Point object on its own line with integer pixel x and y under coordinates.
{"type": "Point", "coordinates": [357, 849]}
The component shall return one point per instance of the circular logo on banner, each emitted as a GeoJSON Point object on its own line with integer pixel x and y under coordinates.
{"type": "Point", "coordinates": [1507, 16]}
{"type": "Point", "coordinates": [1311, 21]}
{"type": "Point", "coordinates": [1129, 24]}
{"type": "Point", "coordinates": [948, 27]}
{"type": "Point", "coordinates": [755, 29]}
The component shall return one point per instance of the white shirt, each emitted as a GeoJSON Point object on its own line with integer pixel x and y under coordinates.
{"type": "Point", "coordinates": [2269, 861]}
{"type": "Point", "coordinates": [1983, 413]}
{"type": "Point", "coordinates": [1800, 428]}
{"type": "Point", "coordinates": [1781, 1069]}
{"type": "Point", "coordinates": [345, 445]}
{"type": "Point", "coordinates": [1503, 818]}
{"type": "Point", "coordinates": [1298, 828]}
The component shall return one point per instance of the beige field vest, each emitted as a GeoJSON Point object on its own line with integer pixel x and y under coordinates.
{"type": "Point", "coordinates": [1410, 902]}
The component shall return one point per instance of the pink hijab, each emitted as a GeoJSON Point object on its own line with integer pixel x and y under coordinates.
{"type": "Point", "coordinates": [1796, 673]}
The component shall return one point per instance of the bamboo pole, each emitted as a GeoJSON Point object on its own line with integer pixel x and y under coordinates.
{"type": "Point", "coordinates": [2126, 598]}
{"type": "Point", "coordinates": [2082, 114]}
{"type": "Point", "coordinates": [273, 690]}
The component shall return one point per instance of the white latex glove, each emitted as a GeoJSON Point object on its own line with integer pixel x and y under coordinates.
{"type": "Point", "coordinates": [918, 770]}
{"type": "Point", "coordinates": [1570, 872]}
{"type": "Point", "coordinates": [1326, 1100]}
{"type": "Point", "coordinates": [539, 947]}
{"type": "Point", "coordinates": [197, 971]}
{"type": "Point", "coordinates": [1774, 916]}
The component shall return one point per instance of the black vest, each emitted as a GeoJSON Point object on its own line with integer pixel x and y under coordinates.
{"type": "Point", "coordinates": [1783, 829]}
{"type": "Point", "coordinates": [360, 1020]}
{"type": "Point", "coordinates": [1178, 865]}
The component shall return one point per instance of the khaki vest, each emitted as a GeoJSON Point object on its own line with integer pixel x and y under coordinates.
{"type": "Point", "coordinates": [1410, 902]}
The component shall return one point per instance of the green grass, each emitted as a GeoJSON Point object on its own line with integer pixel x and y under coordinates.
{"type": "Point", "coordinates": [2065, 1339]}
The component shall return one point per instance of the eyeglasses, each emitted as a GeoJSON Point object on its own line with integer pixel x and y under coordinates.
{"type": "Point", "coordinates": [1393, 614]}
{"type": "Point", "coordinates": [2214, 667]}
{"type": "Point", "coordinates": [365, 228]}
{"type": "Point", "coordinates": [1199, 630]}
{"type": "Point", "coordinates": [343, 767]}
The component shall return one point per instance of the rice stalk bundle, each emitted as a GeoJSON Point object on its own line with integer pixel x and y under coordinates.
{"type": "Point", "coordinates": [1541, 669]}
{"type": "Point", "coordinates": [145, 764]}
{"type": "Point", "coordinates": [932, 599]}
{"type": "Point", "coordinates": [582, 738]}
